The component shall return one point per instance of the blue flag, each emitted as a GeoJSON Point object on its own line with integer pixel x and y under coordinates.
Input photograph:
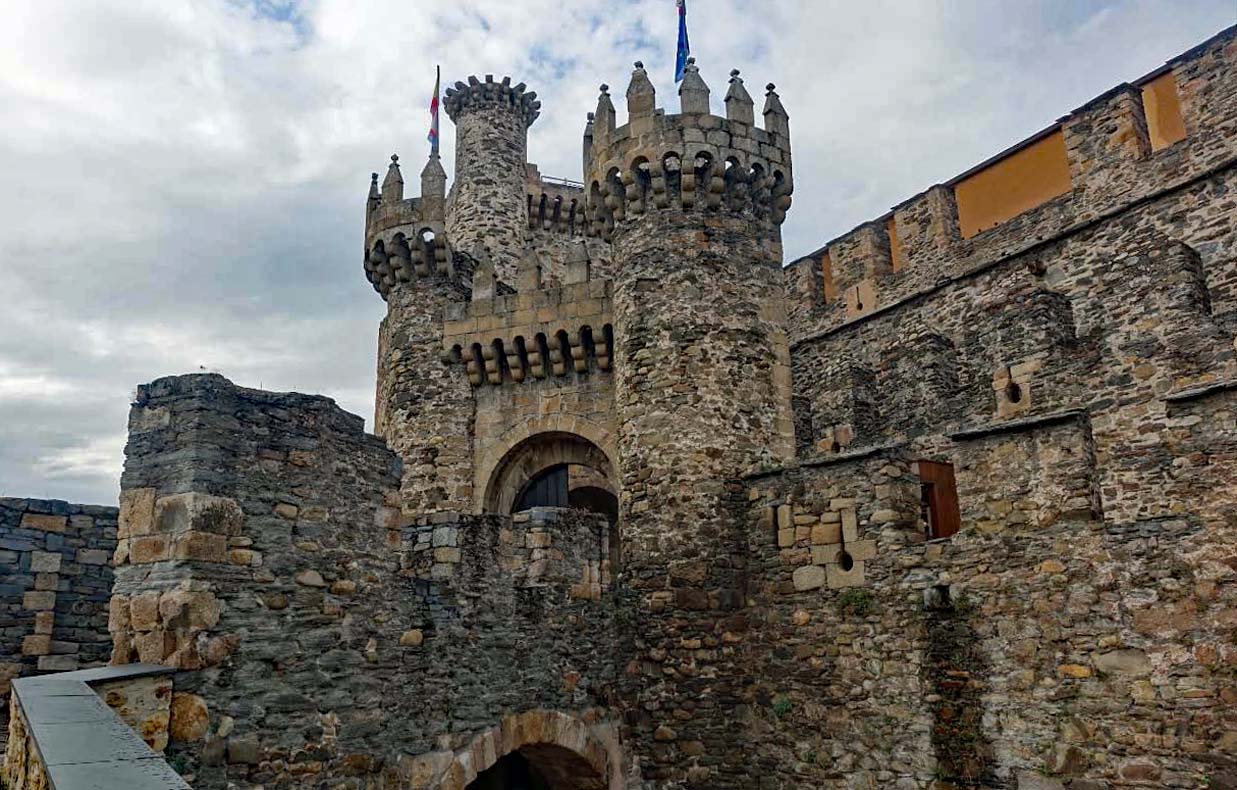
{"type": "Point", "coordinates": [685, 49]}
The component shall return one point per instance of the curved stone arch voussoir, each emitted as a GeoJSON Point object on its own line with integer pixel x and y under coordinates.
{"type": "Point", "coordinates": [559, 745]}
{"type": "Point", "coordinates": [501, 468]}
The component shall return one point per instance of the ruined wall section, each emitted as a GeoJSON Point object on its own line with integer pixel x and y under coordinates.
{"type": "Point", "coordinates": [1112, 167]}
{"type": "Point", "coordinates": [263, 554]}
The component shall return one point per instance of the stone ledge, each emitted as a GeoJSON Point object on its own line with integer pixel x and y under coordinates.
{"type": "Point", "coordinates": [81, 742]}
{"type": "Point", "coordinates": [1200, 391]}
{"type": "Point", "coordinates": [1015, 426]}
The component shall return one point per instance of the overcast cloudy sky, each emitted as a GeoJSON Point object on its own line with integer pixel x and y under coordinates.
{"type": "Point", "coordinates": [182, 181]}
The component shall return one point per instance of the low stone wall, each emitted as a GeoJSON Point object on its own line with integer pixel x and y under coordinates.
{"type": "Point", "coordinates": [55, 579]}
{"type": "Point", "coordinates": [91, 728]}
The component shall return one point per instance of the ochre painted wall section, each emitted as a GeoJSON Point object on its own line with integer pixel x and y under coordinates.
{"type": "Point", "coordinates": [826, 277]}
{"type": "Point", "coordinates": [1163, 108]}
{"type": "Point", "coordinates": [895, 247]}
{"type": "Point", "coordinates": [1019, 182]}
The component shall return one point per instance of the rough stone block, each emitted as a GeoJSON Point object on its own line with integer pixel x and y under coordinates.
{"type": "Point", "coordinates": [809, 577]}
{"type": "Point", "coordinates": [823, 534]}
{"type": "Point", "coordinates": [149, 548]}
{"type": "Point", "coordinates": [825, 554]}
{"type": "Point", "coordinates": [200, 546]}
{"type": "Point", "coordinates": [60, 663]}
{"type": "Point", "coordinates": [93, 556]}
{"type": "Point", "coordinates": [36, 645]}
{"type": "Point", "coordinates": [198, 512]}
{"type": "Point", "coordinates": [44, 561]}
{"type": "Point", "coordinates": [144, 611]}
{"type": "Point", "coordinates": [840, 578]}
{"type": "Point", "coordinates": [44, 522]}
{"type": "Point", "coordinates": [39, 600]}
{"type": "Point", "coordinates": [137, 512]}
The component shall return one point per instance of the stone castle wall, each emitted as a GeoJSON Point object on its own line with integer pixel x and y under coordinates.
{"type": "Point", "coordinates": [318, 633]}
{"type": "Point", "coordinates": [1076, 366]}
{"type": "Point", "coordinates": [55, 579]}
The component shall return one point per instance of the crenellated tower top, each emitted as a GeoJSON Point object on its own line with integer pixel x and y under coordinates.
{"type": "Point", "coordinates": [691, 161]}
{"type": "Point", "coordinates": [463, 98]}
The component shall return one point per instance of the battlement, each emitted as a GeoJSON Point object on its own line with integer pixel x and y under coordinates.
{"type": "Point", "coordinates": [555, 205]}
{"type": "Point", "coordinates": [1156, 134]}
{"type": "Point", "coordinates": [690, 160]}
{"type": "Point", "coordinates": [534, 333]}
{"type": "Point", "coordinates": [405, 238]}
{"type": "Point", "coordinates": [463, 98]}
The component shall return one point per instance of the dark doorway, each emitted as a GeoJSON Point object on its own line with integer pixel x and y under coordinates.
{"type": "Point", "coordinates": [512, 772]}
{"type": "Point", "coordinates": [547, 489]}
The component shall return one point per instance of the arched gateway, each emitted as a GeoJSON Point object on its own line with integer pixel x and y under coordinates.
{"type": "Point", "coordinates": [552, 468]}
{"type": "Point", "coordinates": [535, 750]}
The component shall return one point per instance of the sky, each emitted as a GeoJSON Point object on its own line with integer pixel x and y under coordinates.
{"type": "Point", "coordinates": [182, 182]}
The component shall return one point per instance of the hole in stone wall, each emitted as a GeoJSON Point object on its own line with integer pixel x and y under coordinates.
{"type": "Point", "coordinates": [835, 447]}
{"type": "Point", "coordinates": [858, 299]}
{"type": "Point", "coordinates": [846, 561]}
{"type": "Point", "coordinates": [1013, 392]}
{"type": "Point", "coordinates": [937, 597]}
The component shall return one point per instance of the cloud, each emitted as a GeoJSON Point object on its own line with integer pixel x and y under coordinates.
{"type": "Point", "coordinates": [185, 179]}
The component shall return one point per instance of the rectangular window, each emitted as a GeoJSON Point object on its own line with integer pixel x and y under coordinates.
{"type": "Point", "coordinates": [939, 499]}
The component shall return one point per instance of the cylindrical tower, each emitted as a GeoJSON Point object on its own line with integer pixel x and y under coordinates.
{"type": "Point", "coordinates": [488, 203]}
{"type": "Point", "coordinates": [692, 205]}
{"type": "Point", "coordinates": [423, 409]}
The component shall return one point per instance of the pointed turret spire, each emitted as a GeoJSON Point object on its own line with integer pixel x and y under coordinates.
{"type": "Point", "coordinates": [375, 197]}
{"type": "Point", "coordinates": [693, 93]}
{"type": "Point", "coordinates": [641, 96]}
{"type": "Point", "coordinates": [588, 140]}
{"type": "Point", "coordinates": [739, 104]}
{"type": "Point", "coordinates": [776, 119]}
{"type": "Point", "coordinates": [393, 184]}
{"type": "Point", "coordinates": [433, 189]}
{"type": "Point", "coordinates": [605, 111]}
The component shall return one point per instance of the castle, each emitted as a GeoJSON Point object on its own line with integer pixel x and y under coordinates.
{"type": "Point", "coordinates": [951, 502]}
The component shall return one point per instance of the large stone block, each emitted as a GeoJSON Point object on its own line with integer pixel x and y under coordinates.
{"type": "Point", "coordinates": [44, 522]}
{"type": "Point", "coordinates": [179, 513]}
{"type": "Point", "coordinates": [137, 512]}
{"type": "Point", "coordinates": [44, 561]}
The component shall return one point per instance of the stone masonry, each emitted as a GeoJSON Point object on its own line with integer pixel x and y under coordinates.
{"type": "Point", "coordinates": [55, 580]}
{"type": "Point", "coordinates": [949, 503]}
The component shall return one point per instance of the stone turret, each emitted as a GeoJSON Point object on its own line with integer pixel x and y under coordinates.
{"type": "Point", "coordinates": [487, 206]}
{"type": "Point", "coordinates": [692, 205]}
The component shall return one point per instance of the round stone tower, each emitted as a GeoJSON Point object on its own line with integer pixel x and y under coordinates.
{"type": "Point", "coordinates": [692, 205]}
{"type": "Point", "coordinates": [488, 204]}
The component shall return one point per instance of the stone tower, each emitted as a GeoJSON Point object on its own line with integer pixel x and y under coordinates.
{"type": "Point", "coordinates": [488, 205]}
{"type": "Point", "coordinates": [692, 205]}
{"type": "Point", "coordinates": [422, 408]}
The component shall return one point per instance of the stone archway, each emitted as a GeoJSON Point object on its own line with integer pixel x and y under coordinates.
{"type": "Point", "coordinates": [532, 455]}
{"type": "Point", "coordinates": [566, 752]}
